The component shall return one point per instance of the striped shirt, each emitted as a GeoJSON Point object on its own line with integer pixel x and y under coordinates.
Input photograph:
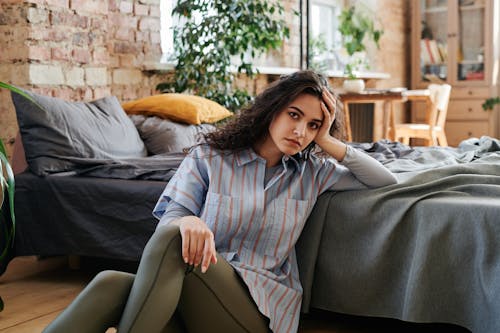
{"type": "Point", "coordinates": [257, 223]}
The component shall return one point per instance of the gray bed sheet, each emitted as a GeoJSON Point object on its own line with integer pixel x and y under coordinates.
{"type": "Point", "coordinates": [87, 216]}
{"type": "Point", "coordinates": [424, 250]}
{"type": "Point", "coordinates": [101, 208]}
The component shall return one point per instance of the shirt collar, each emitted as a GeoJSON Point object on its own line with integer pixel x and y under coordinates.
{"type": "Point", "coordinates": [290, 160]}
{"type": "Point", "coordinates": [249, 155]}
{"type": "Point", "coordinates": [246, 156]}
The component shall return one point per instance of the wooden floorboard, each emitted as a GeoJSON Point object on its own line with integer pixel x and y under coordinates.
{"type": "Point", "coordinates": [33, 299]}
{"type": "Point", "coordinates": [36, 291]}
{"type": "Point", "coordinates": [33, 325]}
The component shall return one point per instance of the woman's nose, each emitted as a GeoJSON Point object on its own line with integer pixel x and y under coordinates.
{"type": "Point", "coordinates": [299, 130]}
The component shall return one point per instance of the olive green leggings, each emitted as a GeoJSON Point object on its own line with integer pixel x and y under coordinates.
{"type": "Point", "coordinates": [164, 296]}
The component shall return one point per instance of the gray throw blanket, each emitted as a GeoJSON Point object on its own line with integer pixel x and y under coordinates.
{"type": "Point", "coordinates": [157, 167]}
{"type": "Point", "coordinates": [424, 250]}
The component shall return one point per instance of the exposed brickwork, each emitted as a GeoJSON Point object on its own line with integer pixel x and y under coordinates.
{"type": "Point", "coordinates": [75, 77]}
{"type": "Point", "coordinates": [98, 7]}
{"type": "Point", "coordinates": [77, 50]}
{"type": "Point", "coordinates": [58, 3]}
{"type": "Point", "coordinates": [126, 7]}
{"type": "Point", "coordinates": [394, 54]}
{"type": "Point", "coordinates": [141, 10]}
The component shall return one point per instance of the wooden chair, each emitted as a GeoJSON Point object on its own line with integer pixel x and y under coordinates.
{"type": "Point", "coordinates": [433, 128]}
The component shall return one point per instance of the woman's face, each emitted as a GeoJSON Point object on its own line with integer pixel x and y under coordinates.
{"type": "Point", "coordinates": [296, 126]}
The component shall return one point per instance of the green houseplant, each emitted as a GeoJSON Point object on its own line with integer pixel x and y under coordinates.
{"type": "Point", "coordinates": [489, 103]}
{"type": "Point", "coordinates": [7, 226]}
{"type": "Point", "coordinates": [356, 28]}
{"type": "Point", "coordinates": [317, 47]}
{"type": "Point", "coordinates": [213, 35]}
{"type": "Point", "coordinates": [7, 216]}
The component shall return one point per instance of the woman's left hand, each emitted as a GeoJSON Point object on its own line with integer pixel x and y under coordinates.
{"type": "Point", "coordinates": [328, 143]}
{"type": "Point", "coordinates": [328, 106]}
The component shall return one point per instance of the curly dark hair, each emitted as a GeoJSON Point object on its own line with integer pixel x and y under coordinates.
{"type": "Point", "coordinates": [251, 124]}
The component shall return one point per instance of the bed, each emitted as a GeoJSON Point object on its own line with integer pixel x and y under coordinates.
{"type": "Point", "coordinates": [424, 250]}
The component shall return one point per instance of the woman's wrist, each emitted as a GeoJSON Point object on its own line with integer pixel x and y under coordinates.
{"type": "Point", "coordinates": [333, 147]}
{"type": "Point", "coordinates": [182, 220]}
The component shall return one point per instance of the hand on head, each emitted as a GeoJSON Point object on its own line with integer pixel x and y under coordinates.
{"type": "Point", "coordinates": [328, 106]}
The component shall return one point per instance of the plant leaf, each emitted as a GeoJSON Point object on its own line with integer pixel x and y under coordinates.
{"type": "Point", "coordinates": [11, 187]}
{"type": "Point", "coordinates": [19, 92]}
{"type": "Point", "coordinates": [222, 31]}
{"type": "Point", "coordinates": [16, 90]}
{"type": "Point", "coordinates": [7, 183]}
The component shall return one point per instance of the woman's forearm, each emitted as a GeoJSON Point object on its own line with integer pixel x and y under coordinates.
{"type": "Point", "coordinates": [362, 169]}
{"type": "Point", "coordinates": [333, 147]}
{"type": "Point", "coordinates": [366, 169]}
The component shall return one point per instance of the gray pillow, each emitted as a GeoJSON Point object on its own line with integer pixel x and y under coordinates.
{"type": "Point", "coordinates": [165, 136]}
{"type": "Point", "coordinates": [55, 132]}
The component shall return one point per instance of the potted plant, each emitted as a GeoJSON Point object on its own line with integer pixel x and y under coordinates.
{"type": "Point", "coordinates": [215, 34]}
{"type": "Point", "coordinates": [355, 27]}
{"type": "Point", "coordinates": [317, 49]}
{"type": "Point", "coordinates": [489, 103]}
{"type": "Point", "coordinates": [7, 219]}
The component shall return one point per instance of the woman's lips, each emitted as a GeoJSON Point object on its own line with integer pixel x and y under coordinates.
{"type": "Point", "coordinates": [294, 142]}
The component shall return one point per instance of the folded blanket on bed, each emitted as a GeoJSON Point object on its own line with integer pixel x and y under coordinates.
{"type": "Point", "coordinates": [157, 167]}
{"type": "Point", "coordinates": [398, 157]}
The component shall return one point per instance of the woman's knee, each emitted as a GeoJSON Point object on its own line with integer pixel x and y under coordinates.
{"type": "Point", "coordinates": [167, 232]}
{"type": "Point", "coordinates": [109, 281]}
{"type": "Point", "coordinates": [164, 238]}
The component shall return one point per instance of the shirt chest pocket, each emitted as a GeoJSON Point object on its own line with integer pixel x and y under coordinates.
{"type": "Point", "coordinates": [284, 223]}
{"type": "Point", "coordinates": [222, 215]}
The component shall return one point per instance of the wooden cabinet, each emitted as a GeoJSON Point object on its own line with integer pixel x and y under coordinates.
{"type": "Point", "coordinates": [457, 42]}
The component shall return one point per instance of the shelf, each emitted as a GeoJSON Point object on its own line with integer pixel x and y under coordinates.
{"type": "Point", "coordinates": [359, 75]}
{"type": "Point", "coordinates": [471, 7]}
{"type": "Point", "coordinates": [470, 62]}
{"type": "Point", "coordinates": [443, 9]}
{"type": "Point", "coordinates": [468, 34]}
{"type": "Point", "coordinates": [433, 10]}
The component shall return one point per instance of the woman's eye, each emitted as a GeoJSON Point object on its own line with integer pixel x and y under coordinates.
{"type": "Point", "coordinates": [314, 125]}
{"type": "Point", "coordinates": [294, 115]}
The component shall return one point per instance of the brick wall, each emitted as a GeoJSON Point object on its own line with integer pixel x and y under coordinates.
{"type": "Point", "coordinates": [77, 50]}
{"type": "Point", "coordinates": [86, 49]}
{"type": "Point", "coordinates": [394, 54]}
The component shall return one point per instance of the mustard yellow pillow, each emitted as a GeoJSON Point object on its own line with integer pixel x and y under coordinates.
{"type": "Point", "coordinates": [183, 108]}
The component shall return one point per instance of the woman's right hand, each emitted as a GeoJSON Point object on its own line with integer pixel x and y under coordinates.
{"type": "Point", "coordinates": [198, 245]}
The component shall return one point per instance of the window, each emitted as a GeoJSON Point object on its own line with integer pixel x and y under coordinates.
{"type": "Point", "coordinates": [166, 32]}
{"type": "Point", "coordinates": [167, 23]}
{"type": "Point", "coordinates": [324, 38]}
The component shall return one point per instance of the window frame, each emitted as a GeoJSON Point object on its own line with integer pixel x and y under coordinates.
{"type": "Point", "coordinates": [333, 41]}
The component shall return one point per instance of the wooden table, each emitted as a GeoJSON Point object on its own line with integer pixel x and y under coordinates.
{"type": "Point", "coordinates": [387, 97]}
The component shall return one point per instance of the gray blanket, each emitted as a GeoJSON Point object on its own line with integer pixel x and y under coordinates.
{"type": "Point", "coordinates": [157, 167]}
{"type": "Point", "coordinates": [424, 250]}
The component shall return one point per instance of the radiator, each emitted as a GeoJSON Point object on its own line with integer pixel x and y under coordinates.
{"type": "Point", "coordinates": [361, 116]}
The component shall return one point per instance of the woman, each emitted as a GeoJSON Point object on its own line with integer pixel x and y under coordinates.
{"type": "Point", "coordinates": [222, 258]}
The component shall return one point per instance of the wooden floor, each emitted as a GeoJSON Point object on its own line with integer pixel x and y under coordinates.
{"type": "Point", "coordinates": [35, 291]}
